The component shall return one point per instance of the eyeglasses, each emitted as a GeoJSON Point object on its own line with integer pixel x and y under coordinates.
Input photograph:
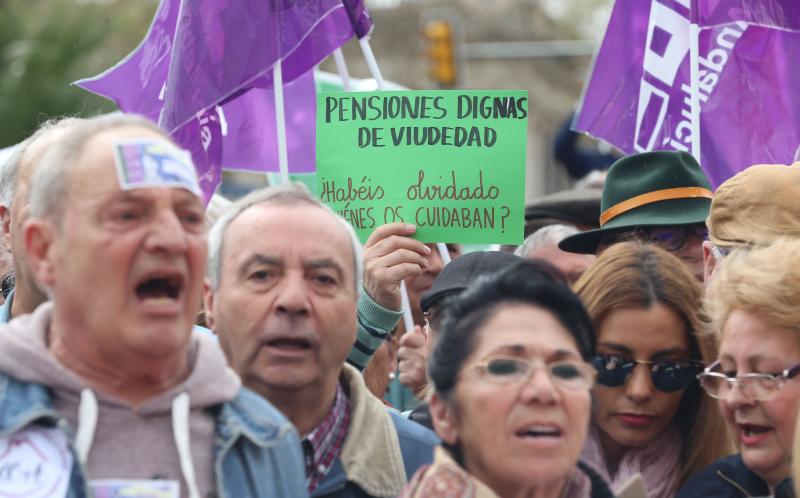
{"type": "Point", "coordinates": [432, 317]}
{"type": "Point", "coordinates": [670, 238]}
{"type": "Point", "coordinates": [7, 284]}
{"type": "Point", "coordinates": [507, 370]}
{"type": "Point", "coordinates": [755, 386]}
{"type": "Point", "coordinates": [666, 375]}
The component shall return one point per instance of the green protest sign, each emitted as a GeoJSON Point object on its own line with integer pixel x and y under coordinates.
{"type": "Point", "coordinates": [450, 162]}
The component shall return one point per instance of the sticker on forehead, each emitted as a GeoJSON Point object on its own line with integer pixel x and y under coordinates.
{"type": "Point", "coordinates": [148, 163]}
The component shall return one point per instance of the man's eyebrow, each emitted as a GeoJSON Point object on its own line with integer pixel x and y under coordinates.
{"type": "Point", "coordinates": [259, 259]}
{"type": "Point", "coordinates": [324, 263]}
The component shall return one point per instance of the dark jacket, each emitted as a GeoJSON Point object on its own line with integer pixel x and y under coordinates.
{"type": "Point", "coordinates": [600, 488]}
{"type": "Point", "coordinates": [729, 477]}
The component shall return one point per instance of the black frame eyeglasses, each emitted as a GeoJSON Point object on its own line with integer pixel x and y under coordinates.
{"type": "Point", "coordinates": [756, 386]}
{"type": "Point", "coordinates": [666, 375]}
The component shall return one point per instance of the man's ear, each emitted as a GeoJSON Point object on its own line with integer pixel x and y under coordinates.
{"type": "Point", "coordinates": [709, 262]}
{"type": "Point", "coordinates": [444, 420]}
{"type": "Point", "coordinates": [208, 303]}
{"type": "Point", "coordinates": [39, 244]}
{"type": "Point", "coordinates": [5, 223]}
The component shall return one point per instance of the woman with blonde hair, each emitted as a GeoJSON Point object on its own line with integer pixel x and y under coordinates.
{"type": "Point", "coordinates": [753, 302]}
{"type": "Point", "coordinates": [649, 414]}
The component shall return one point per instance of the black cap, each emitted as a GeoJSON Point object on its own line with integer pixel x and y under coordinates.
{"type": "Point", "coordinates": [463, 270]}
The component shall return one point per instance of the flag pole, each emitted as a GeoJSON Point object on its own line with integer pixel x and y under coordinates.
{"type": "Point", "coordinates": [408, 318]}
{"type": "Point", "coordinates": [280, 120]}
{"type": "Point", "coordinates": [369, 56]}
{"type": "Point", "coordinates": [372, 63]}
{"type": "Point", "coordinates": [341, 66]}
{"type": "Point", "coordinates": [694, 76]}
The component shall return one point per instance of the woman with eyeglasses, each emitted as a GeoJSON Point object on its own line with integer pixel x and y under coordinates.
{"type": "Point", "coordinates": [511, 398]}
{"type": "Point", "coordinates": [649, 415]}
{"type": "Point", "coordinates": [754, 304]}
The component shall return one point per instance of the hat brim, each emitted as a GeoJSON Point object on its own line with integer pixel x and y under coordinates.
{"type": "Point", "coordinates": [670, 213]}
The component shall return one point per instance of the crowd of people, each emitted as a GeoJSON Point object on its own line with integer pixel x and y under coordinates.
{"type": "Point", "coordinates": [146, 355]}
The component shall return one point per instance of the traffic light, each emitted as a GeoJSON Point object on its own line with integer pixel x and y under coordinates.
{"type": "Point", "coordinates": [441, 52]}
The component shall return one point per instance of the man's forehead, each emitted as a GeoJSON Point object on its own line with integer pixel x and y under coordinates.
{"type": "Point", "coordinates": [138, 158]}
{"type": "Point", "coordinates": [265, 225]}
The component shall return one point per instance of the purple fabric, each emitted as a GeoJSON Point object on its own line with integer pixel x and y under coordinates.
{"type": "Point", "coordinates": [359, 17]}
{"type": "Point", "coordinates": [251, 126]}
{"type": "Point", "coordinates": [136, 83]}
{"type": "Point", "coordinates": [203, 54]}
{"type": "Point", "coordinates": [783, 14]}
{"type": "Point", "coordinates": [638, 95]}
{"type": "Point", "coordinates": [225, 46]}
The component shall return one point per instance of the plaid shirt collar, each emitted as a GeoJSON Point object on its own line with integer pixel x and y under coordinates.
{"type": "Point", "coordinates": [322, 445]}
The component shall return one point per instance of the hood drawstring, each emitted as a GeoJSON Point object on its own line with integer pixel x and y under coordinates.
{"type": "Point", "coordinates": [180, 429]}
{"type": "Point", "coordinates": [87, 424]}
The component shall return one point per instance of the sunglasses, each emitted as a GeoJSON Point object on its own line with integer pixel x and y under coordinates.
{"type": "Point", "coordinates": [666, 375]}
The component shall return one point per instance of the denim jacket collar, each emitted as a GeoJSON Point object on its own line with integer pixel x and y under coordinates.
{"type": "Point", "coordinates": [22, 404]}
{"type": "Point", "coordinates": [241, 418]}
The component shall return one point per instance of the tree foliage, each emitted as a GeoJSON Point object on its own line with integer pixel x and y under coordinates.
{"type": "Point", "coordinates": [47, 44]}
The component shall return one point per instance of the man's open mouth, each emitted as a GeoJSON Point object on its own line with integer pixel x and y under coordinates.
{"type": "Point", "coordinates": [160, 288]}
{"type": "Point", "coordinates": [289, 344]}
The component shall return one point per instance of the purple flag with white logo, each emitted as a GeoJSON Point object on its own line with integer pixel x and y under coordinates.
{"type": "Point", "coordinates": [781, 14]}
{"type": "Point", "coordinates": [639, 95]}
{"type": "Point", "coordinates": [204, 73]}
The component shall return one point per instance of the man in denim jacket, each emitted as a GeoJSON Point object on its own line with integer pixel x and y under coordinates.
{"type": "Point", "coordinates": [282, 293]}
{"type": "Point", "coordinates": [105, 390]}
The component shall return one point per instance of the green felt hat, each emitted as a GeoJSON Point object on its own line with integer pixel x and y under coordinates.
{"type": "Point", "coordinates": [654, 189]}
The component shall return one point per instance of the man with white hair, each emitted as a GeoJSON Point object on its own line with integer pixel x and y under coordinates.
{"type": "Point", "coordinates": [107, 381]}
{"type": "Point", "coordinates": [282, 290]}
{"type": "Point", "coordinates": [15, 186]}
{"type": "Point", "coordinates": [543, 244]}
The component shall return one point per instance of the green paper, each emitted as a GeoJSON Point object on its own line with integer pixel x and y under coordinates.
{"type": "Point", "coordinates": [450, 162]}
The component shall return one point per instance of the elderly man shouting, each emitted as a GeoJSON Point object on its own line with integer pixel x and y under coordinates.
{"type": "Point", "coordinates": [116, 236]}
{"type": "Point", "coordinates": [283, 285]}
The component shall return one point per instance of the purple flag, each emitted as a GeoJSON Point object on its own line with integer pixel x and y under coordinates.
{"type": "Point", "coordinates": [638, 96]}
{"type": "Point", "coordinates": [781, 14]}
{"type": "Point", "coordinates": [137, 83]}
{"type": "Point", "coordinates": [250, 121]}
{"type": "Point", "coordinates": [225, 47]}
{"type": "Point", "coordinates": [359, 17]}
{"type": "Point", "coordinates": [200, 57]}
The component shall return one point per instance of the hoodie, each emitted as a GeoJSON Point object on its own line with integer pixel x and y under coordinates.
{"type": "Point", "coordinates": [114, 440]}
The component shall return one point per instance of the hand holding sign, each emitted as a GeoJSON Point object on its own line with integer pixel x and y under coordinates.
{"type": "Point", "coordinates": [390, 256]}
{"type": "Point", "coordinates": [450, 162]}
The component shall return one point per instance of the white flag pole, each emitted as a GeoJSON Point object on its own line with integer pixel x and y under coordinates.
{"type": "Point", "coordinates": [694, 76]}
{"type": "Point", "coordinates": [280, 121]}
{"type": "Point", "coordinates": [372, 63]}
{"type": "Point", "coordinates": [341, 66]}
{"type": "Point", "coordinates": [408, 318]}
{"type": "Point", "coordinates": [369, 56]}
